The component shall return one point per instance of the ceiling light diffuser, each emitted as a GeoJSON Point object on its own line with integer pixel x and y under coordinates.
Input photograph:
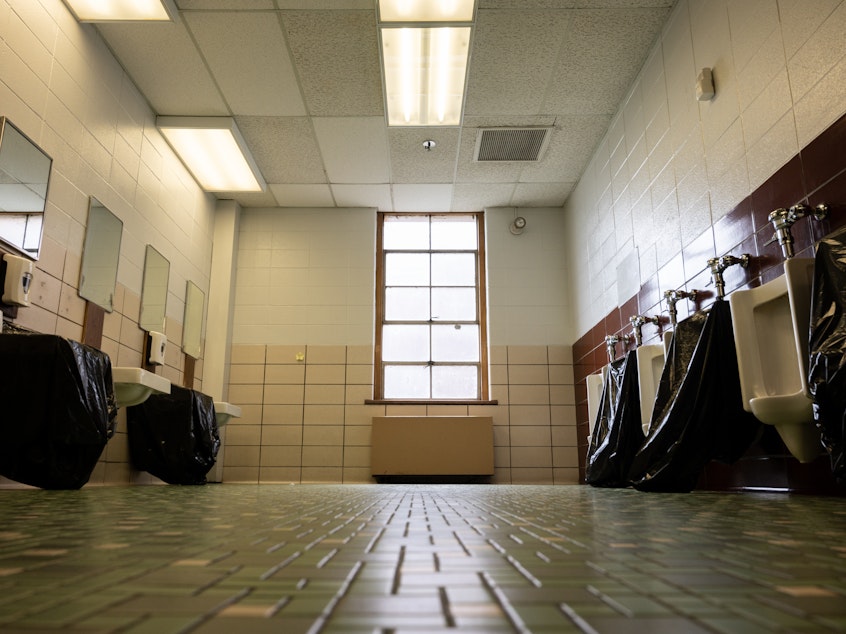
{"type": "Point", "coordinates": [214, 151]}
{"type": "Point", "coordinates": [426, 10]}
{"type": "Point", "coordinates": [424, 74]}
{"type": "Point", "coordinates": [122, 10]}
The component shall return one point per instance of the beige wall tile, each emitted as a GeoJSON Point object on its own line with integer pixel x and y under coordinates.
{"type": "Point", "coordinates": [325, 374]}
{"type": "Point", "coordinates": [250, 414]}
{"type": "Point", "coordinates": [405, 410]}
{"type": "Point", "coordinates": [246, 394]}
{"type": "Point", "coordinates": [528, 375]}
{"type": "Point", "coordinates": [324, 394]}
{"type": "Point", "coordinates": [283, 415]}
{"type": "Point", "coordinates": [281, 456]}
{"type": "Point", "coordinates": [281, 435]}
{"type": "Point", "coordinates": [565, 457]}
{"type": "Point", "coordinates": [528, 394]}
{"type": "Point", "coordinates": [283, 394]}
{"type": "Point", "coordinates": [322, 474]}
{"type": "Point", "coordinates": [531, 475]}
{"type": "Point", "coordinates": [357, 435]}
{"type": "Point", "coordinates": [251, 354]}
{"type": "Point", "coordinates": [243, 435]}
{"type": "Point", "coordinates": [323, 457]}
{"type": "Point", "coordinates": [111, 325]}
{"type": "Point", "coordinates": [531, 457]}
{"type": "Point", "coordinates": [562, 395]}
{"type": "Point", "coordinates": [527, 355]}
{"type": "Point", "coordinates": [562, 355]}
{"type": "Point", "coordinates": [241, 474]}
{"type": "Point", "coordinates": [128, 356]}
{"type": "Point", "coordinates": [285, 374]}
{"type": "Point", "coordinates": [357, 457]}
{"type": "Point", "coordinates": [446, 410]}
{"type": "Point", "coordinates": [323, 414]}
{"type": "Point", "coordinates": [530, 436]}
{"type": "Point", "coordinates": [528, 415]}
{"type": "Point", "coordinates": [131, 305]}
{"type": "Point", "coordinates": [323, 435]}
{"type": "Point", "coordinates": [564, 436]}
{"type": "Point", "coordinates": [358, 475]}
{"type": "Point", "coordinates": [502, 457]}
{"type": "Point", "coordinates": [115, 473]}
{"type": "Point", "coordinates": [498, 355]}
{"type": "Point", "coordinates": [362, 355]}
{"type": "Point", "coordinates": [131, 335]}
{"type": "Point", "coordinates": [362, 414]}
{"type": "Point", "coordinates": [250, 374]}
{"type": "Point", "coordinates": [499, 393]}
{"type": "Point", "coordinates": [71, 305]}
{"type": "Point", "coordinates": [360, 375]}
{"type": "Point", "coordinates": [498, 375]}
{"type": "Point", "coordinates": [499, 413]}
{"type": "Point", "coordinates": [502, 436]}
{"type": "Point", "coordinates": [502, 475]}
{"type": "Point", "coordinates": [326, 354]}
{"type": "Point", "coordinates": [277, 354]}
{"type": "Point", "coordinates": [241, 456]}
{"type": "Point", "coordinates": [357, 394]}
{"type": "Point", "coordinates": [68, 329]}
{"type": "Point", "coordinates": [563, 414]}
{"type": "Point", "coordinates": [566, 475]}
{"type": "Point", "coordinates": [561, 375]}
{"type": "Point", "coordinates": [280, 474]}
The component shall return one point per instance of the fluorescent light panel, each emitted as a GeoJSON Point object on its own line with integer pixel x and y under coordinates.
{"type": "Point", "coordinates": [426, 10]}
{"type": "Point", "coordinates": [424, 74]}
{"type": "Point", "coordinates": [214, 151]}
{"type": "Point", "coordinates": [122, 10]}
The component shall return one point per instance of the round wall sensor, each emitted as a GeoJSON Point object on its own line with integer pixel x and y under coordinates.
{"type": "Point", "coordinates": [518, 225]}
{"type": "Point", "coordinates": [428, 144]}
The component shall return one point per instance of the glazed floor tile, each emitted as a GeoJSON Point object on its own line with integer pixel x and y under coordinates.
{"type": "Point", "coordinates": [403, 558]}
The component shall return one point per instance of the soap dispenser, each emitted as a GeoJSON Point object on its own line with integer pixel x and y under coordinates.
{"type": "Point", "coordinates": [18, 280]}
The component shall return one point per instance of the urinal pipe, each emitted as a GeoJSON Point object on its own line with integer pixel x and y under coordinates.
{"type": "Point", "coordinates": [611, 342]}
{"type": "Point", "coordinates": [674, 297]}
{"type": "Point", "coordinates": [637, 322]}
{"type": "Point", "coordinates": [718, 265]}
{"type": "Point", "coordinates": [782, 219]}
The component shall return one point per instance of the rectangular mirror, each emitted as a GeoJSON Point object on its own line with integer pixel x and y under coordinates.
{"type": "Point", "coordinates": [192, 325]}
{"type": "Point", "coordinates": [100, 256]}
{"type": "Point", "coordinates": [24, 178]}
{"type": "Point", "coordinates": [154, 291]}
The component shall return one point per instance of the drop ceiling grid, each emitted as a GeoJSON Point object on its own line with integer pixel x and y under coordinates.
{"type": "Point", "coordinates": [285, 148]}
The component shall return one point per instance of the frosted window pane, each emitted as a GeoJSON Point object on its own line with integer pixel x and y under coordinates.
{"type": "Point", "coordinates": [455, 381]}
{"type": "Point", "coordinates": [455, 343]}
{"type": "Point", "coordinates": [405, 343]}
{"type": "Point", "coordinates": [453, 269]}
{"type": "Point", "coordinates": [407, 304]}
{"type": "Point", "coordinates": [407, 269]}
{"type": "Point", "coordinates": [405, 233]}
{"type": "Point", "coordinates": [454, 304]}
{"type": "Point", "coordinates": [406, 381]}
{"type": "Point", "coordinates": [454, 233]}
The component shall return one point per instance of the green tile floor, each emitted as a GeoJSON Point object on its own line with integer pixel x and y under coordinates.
{"type": "Point", "coordinates": [402, 558]}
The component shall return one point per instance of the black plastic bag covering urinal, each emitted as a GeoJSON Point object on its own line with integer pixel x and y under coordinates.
{"type": "Point", "coordinates": [618, 432]}
{"type": "Point", "coordinates": [698, 414]}
{"type": "Point", "coordinates": [174, 436]}
{"type": "Point", "coordinates": [59, 410]}
{"type": "Point", "coordinates": [827, 362]}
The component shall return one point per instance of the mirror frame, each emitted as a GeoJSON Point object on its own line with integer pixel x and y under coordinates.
{"type": "Point", "coordinates": [192, 322]}
{"type": "Point", "coordinates": [95, 252]}
{"type": "Point", "coordinates": [147, 287]}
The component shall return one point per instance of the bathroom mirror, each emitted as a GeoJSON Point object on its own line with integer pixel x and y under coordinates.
{"type": "Point", "coordinates": [154, 290]}
{"type": "Point", "coordinates": [24, 177]}
{"type": "Point", "coordinates": [192, 325]}
{"type": "Point", "coordinates": [100, 256]}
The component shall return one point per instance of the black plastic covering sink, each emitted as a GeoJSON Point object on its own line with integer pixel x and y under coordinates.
{"type": "Point", "coordinates": [58, 410]}
{"type": "Point", "coordinates": [174, 436]}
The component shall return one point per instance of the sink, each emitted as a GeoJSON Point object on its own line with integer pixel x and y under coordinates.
{"type": "Point", "coordinates": [223, 411]}
{"type": "Point", "coordinates": [135, 385]}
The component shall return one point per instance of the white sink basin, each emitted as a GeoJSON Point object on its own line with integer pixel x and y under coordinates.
{"type": "Point", "coordinates": [223, 411]}
{"type": "Point", "coordinates": [135, 385]}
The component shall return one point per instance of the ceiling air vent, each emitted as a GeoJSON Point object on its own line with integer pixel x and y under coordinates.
{"type": "Point", "coordinates": [511, 144]}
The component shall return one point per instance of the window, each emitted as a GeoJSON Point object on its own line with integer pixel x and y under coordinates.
{"type": "Point", "coordinates": [431, 340]}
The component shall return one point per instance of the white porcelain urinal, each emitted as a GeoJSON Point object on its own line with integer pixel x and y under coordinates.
{"type": "Point", "coordinates": [594, 397]}
{"type": "Point", "coordinates": [650, 364]}
{"type": "Point", "coordinates": [771, 325]}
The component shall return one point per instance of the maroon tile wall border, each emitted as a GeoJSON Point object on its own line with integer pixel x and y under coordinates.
{"type": "Point", "coordinates": [816, 175]}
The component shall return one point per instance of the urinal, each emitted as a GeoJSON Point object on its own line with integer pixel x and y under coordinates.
{"type": "Point", "coordinates": [594, 397]}
{"type": "Point", "coordinates": [650, 364]}
{"type": "Point", "coordinates": [771, 325]}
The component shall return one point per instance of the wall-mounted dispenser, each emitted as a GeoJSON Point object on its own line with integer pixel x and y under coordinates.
{"type": "Point", "coordinates": [156, 345]}
{"type": "Point", "coordinates": [18, 280]}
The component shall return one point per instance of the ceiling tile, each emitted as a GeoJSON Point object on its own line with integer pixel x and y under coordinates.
{"type": "Point", "coordinates": [412, 163]}
{"type": "Point", "coordinates": [422, 197]}
{"type": "Point", "coordinates": [284, 148]}
{"type": "Point", "coordinates": [253, 69]}
{"type": "Point", "coordinates": [302, 195]}
{"type": "Point", "coordinates": [378, 196]}
{"type": "Point", "coordinates": [256, 199]}
{"type": "Point", "coordinates": [572, 143]}
{"type": "Point", "coordinates": [477, 197]}
{"type": "Point", "coordinates": [541, 194]}
{"type": "Point", "coordinates": [166, 67]}
{"type": "Point", "coordinates": [337, 56]}
{"type": "Point", "coordinates": [354, 149]}
{"type": "Point", "coordinates": [513, 58]}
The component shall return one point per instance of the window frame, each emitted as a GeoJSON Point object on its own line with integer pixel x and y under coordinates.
{"type": "Point", "coordinates": [483, 396]}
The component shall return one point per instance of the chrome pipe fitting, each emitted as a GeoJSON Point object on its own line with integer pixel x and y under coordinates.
{"type": "Point", "coordinates": [718, 265]}
{"type": "Point", "coordinates": [611, 342]}
{"type": "Point", "coordinates": [784, 218]}
{"type": "Point", "coordinates": [674, 297]}
{"type": "Point", "coordinates": [637, 322]}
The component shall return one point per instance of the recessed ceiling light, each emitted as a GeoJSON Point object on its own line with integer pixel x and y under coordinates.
{"type": "Point", "coordinates": [214, 151]}
{"type": "Point", "coordinates": [426, 10]}
{"type": "Point", "coordinates": [122, 10]}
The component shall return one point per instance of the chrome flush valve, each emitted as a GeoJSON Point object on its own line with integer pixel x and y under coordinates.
{"type": "Point", "coordinates": [637, 322]}
{"type": "Point", "coordinates": [783, 219]}
{"type": "Point", "coordinates": [674, 297]}
{"type": "Point", "coordinates": [718, 265]}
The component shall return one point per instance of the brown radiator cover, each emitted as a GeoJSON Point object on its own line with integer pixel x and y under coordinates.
{"type": "Point", "coordinates": [432, 445]}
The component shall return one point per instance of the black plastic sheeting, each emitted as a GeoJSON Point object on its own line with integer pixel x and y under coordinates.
{"type": "Point", "coordinates": [698, 414]}
{"type": "Point", "coordinates": [827, 363]}
{"type": "Point", "coordinates": [58, 410]}
{"type": "Point", "coordinates": [174, 436]}
{"type": "Point", "coordinates": [618, 433]}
